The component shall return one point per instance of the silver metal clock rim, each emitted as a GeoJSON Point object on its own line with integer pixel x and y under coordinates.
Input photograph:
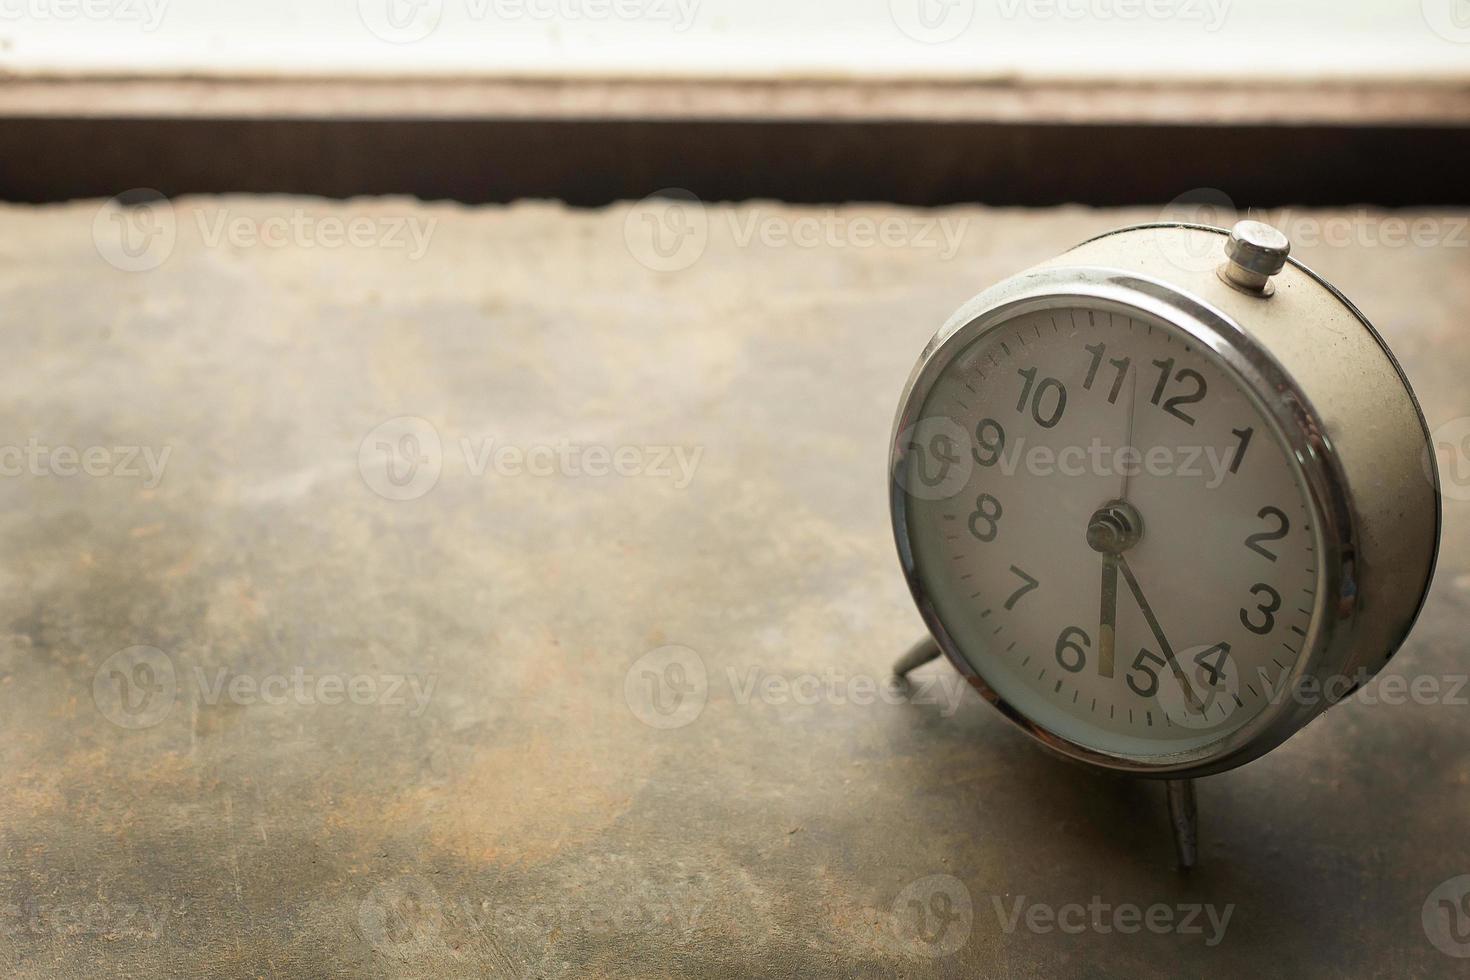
{"type": "Point", "coordinates": [1297, 427]}
{"type": "Point", "coordinates": [1398, 368]}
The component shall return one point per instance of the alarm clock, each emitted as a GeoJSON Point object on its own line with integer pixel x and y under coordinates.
{"type": "Point", "coordinates": [1163, 500]}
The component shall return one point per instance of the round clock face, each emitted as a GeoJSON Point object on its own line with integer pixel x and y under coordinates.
{"type": "Point", "coordinates": [1110, 531]}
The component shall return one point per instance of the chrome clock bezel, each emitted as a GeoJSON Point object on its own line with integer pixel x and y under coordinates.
{"type": "Point", "coordinates": [1328, 644]}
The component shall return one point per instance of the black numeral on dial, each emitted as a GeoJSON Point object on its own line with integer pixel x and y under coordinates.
{"type": "Point", "coordinates": [1188, 378]}
{"type": "Point", "coordinates": [1211, 663]}
{"type": "Point", "coordinates": [1142, 666]}
{"type": "Point", "coordinates": [992, 441]}
{"type": "Point", "coordinates": [1120, 369]}
{"type": "Point", "coordinates": [985, 521]}
{"type": "Point", "coordinates": [1267, 609]}
{"type": "Point", "coordinates": [1027, 584]}
{"type": "Point", "coordinates": [1048, 399]}
{"type": "Point", "coordinates": [1072, 647]}
{"type": "Point", "coordinates": [1244, 435]}
{"type": "Point", "coordinates": [1270, 515]}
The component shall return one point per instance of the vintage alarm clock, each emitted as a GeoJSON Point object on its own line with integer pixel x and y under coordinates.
{"type": "Point", "coordinates": [1163, 500]}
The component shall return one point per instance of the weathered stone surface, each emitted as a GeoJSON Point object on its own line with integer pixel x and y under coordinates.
{"type": "Point", "coordinates": [518, 818]}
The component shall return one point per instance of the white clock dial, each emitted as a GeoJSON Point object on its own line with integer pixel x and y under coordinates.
{"type": "Point", "coordinates": [1111, 532]}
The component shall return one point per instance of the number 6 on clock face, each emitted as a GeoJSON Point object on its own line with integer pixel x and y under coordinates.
{"type": "Point", "coordinates": [1165, 509]}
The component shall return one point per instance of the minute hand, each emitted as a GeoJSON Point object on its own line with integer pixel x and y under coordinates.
{"type": "Point", "coordinates": [1153, 624]}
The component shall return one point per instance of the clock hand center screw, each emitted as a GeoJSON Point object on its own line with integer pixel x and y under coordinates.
{"type": "Point", "coordinates": [1114, 528]}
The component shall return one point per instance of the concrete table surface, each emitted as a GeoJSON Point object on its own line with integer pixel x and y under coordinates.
{"type": "Point", "coordinates": [422, 591]}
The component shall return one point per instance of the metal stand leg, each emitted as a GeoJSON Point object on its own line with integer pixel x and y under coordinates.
{"type": "Point", "coordinates": [1184, 818]}
{"type": "Point", "coordinates": [919, 654]}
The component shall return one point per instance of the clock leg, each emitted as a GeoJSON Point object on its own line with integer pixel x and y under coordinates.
{"type": "Point", "coordinates": [1184, 818]}
{"type": "Point", "coordinates": [919, 654]}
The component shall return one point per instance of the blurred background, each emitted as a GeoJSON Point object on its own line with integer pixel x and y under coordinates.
{"type": "Point", "coordinates": [591, 101]}
{"type": "Point", "coordinates": [1231, 40]}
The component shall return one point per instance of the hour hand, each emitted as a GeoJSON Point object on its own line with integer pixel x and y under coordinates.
{"type": "Point", "coordinates": [1113, 529]}
{"type": "Point", "coordinates": [1108, 616]}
